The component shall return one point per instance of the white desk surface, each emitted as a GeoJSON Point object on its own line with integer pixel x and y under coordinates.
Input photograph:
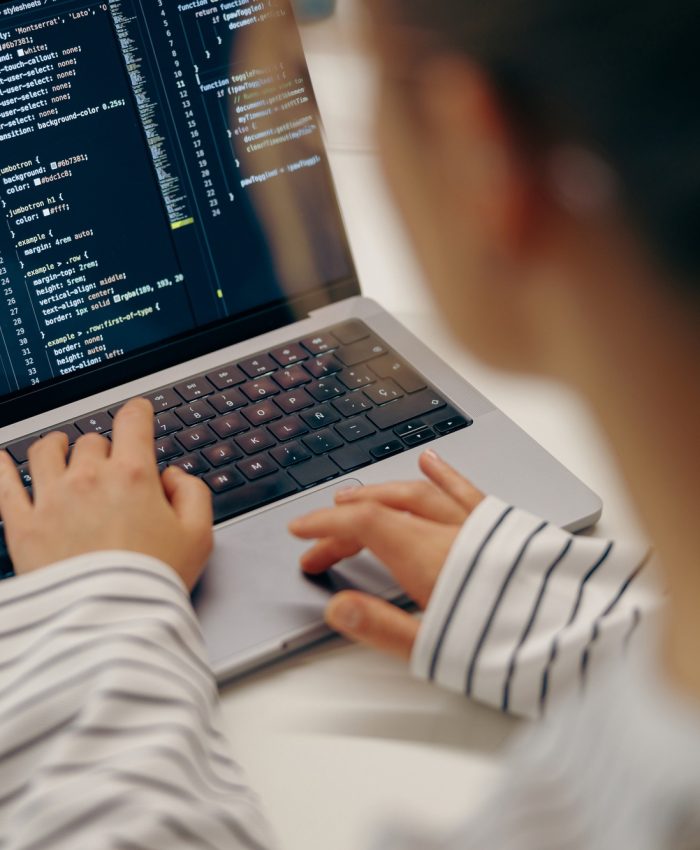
{"type": "Point", "coordinates": [340, 739]}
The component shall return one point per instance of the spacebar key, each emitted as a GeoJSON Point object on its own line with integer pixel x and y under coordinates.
{"type": "Point", "coordinates": [390, 415]}
{"type": "Point", "coordinates": [270, 489]}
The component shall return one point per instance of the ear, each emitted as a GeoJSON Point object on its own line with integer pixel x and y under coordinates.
{"type": "Point", "coordinates": [479, 161]}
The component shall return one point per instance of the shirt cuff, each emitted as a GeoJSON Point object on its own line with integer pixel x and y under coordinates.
{"type": "Point", "coordinates": [68, 568]}
{"type": "Point", "coordinates": [427, 660]}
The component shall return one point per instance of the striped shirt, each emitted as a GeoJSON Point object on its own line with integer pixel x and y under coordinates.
{"type": "Point", "coordinates": [111, 735]}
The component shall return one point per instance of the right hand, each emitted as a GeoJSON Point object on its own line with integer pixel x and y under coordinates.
{"type": "Point", "coordinates": [410, 527]}
{"type": "Point", "coordinates": [109, 496]}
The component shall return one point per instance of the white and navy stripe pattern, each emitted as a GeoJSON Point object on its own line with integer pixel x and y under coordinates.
{"type": "Point", "coordinates": [522, 609]}
{"type": "Point", "coordinates": [109, 715]}
{"type": "Point", "coordinates": [110, 734]}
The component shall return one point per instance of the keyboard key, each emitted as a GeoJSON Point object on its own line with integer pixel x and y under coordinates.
{"type": "Point", "coordinates": [167, 448]}
{"type": "Point", "coordinates": [360, 352]}
{"type": "Point", "coordinates": [254, 495]}
{"type": "Point", "coordinates": [98, 423]}
{"type": "Point", "coordinates": [409, 407]}
{"type": "Point", "coordinates": [419, 437]}
{"type": "Point", "coordinates": [230, 424]}
{"type": "Point", "coordinates": [392, 367]}
{"type": "Point", "coordinates": [355, 379]}
{"type": "Point", "coordinates": [69, 430]}
{"type": "Point", "coordinates": [264, 411]}
{"type": "Point", "coordinates": [195, 438]}
{"type": "Point", "coordinates": [455, 424]}
{"type": "Point", "coordinates": [222, 453]}
{"type": "Point", "coordinates": [257, 467]}
{"type": "Point", "coordinates": [320, 343]}
{"type": "Point", "coordinates": [326, 390]}
{"type": "Point", "coordinates": [352, 404]}
{"type": "Point", "coordinates": [314, 471]}
{"type": "Point", "coordinates": [255, 441]}
{"type": "Point", "coordinates": [388, 449]}
{"type": "Point", "coordinates": [351, 457]}
{"type": "Point", "coordinates": [258, 366]}
{"type": "Point", "coordinates": [162, 400]}
{"type": "Point", "coordinates": [351, 331]}
{"type": "Point", "coordinates": [198, 411]}
{"type": "Point", "coordinates": [290, 454]}
{"type": "Point", "coordinates": [383, 392]}
{"type": "Point", "coordinates": [297, 400]}
{"type": "Point", "coordinates": [289, 354]}
{"type": "Point", "coordinates": [287, 429]}
{"type": "Point", "coordinates": [229, 376]}
{"type": "Point", "coordinates": [321, 416]}
{"type": "Point", "coordinates": [194, 388]}
{"type": "Point", "coordinates": [260, 389]}
{"type": "Point", "coordinates": [323, 442]}
{"type": "Point", "coordinates": [166, 423]}
{"type": "Point", "coordinates": [19, 450]}
{"type": "Point", "coordinates": [224, 480]}
{"type": "Point", "coordinates": [229, 400]}
{"type": "Point", "coordinates": [322, 367]}
{"type": "Point", "coordinates": [192, 464]}
{"type": "Point", "coordinates": [355, 429]}
{"type": "Point", "coordinates": [295, 376]}
{"type": "Point", "coordinates": [25, 475]}
{"type": "Point", "coordinates": [410, 427]}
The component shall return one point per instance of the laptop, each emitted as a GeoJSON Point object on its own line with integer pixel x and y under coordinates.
{"type": "Point", "coordinates": [172, 231]}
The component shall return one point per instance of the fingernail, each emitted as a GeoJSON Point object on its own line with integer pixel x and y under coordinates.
{"type": "Point", "coordinates": [345, 616]}
{"type": "Point", "coordinates": [432, 456]}
{"type": "Point", "coordinates": [346, 494]}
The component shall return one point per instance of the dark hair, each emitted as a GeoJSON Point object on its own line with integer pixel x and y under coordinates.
{"type": "Point", "coordinates": [619, 76]}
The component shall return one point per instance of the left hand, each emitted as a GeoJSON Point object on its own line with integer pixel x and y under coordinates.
{"type": "Point", "coordinates": [410, 527]}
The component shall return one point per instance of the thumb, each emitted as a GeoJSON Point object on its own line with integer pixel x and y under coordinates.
{"type": "Point", "coordinates": [373, 622]}
{"type": "Point", "coordinates": [189, 498]}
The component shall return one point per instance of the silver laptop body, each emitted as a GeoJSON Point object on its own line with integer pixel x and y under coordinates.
{"type": "Point", "coordinates": [254, 604]}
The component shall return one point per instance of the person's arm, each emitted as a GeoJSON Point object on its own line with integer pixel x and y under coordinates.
{"type": "Point", "coordinates": [110, 733]}
{"type": "Point", "coordinates": [522, 610]}
{"type": "Point", "coordinates": [109, 712]}
{"type": "Point", "coordinates": [516, 609]}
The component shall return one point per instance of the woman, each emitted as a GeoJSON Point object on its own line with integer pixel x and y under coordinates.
{"type": "Point", "coordinates": [544, 157]}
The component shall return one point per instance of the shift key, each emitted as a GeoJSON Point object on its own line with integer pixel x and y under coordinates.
{"type": "Point", "coordinates": [411, 407]}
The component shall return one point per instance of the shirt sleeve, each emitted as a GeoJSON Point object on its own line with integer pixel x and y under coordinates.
{"type": "Point", "coordinates": [111, 733]}
{"type": "Point", "coordinates": [523, 610]}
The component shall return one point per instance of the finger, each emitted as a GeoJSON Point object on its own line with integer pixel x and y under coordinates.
{"type": "Point", "coordinates": [407, 545]}
{"type": "Point", "coordinates": [15, 503]}
{"type": "Point", "coordinates": [132, 434]}
{"type": "Point", "coordinates": [90, 448]}
{"type": "Point", "coordinates": [326, 553]}
{"type": "Point", "coordinates": [421, 498]}
{"type": "Point", "coordinates": [47, 459]}
{"type": "Point", "coordinates": [450, 481]}
{"type": "Point", "coordinates": [190, 499]}
{"type": "Point", "coordinates": [373, 622]}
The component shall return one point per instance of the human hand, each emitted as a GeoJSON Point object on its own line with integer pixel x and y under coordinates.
{"type": "Point", "coordinates": [410, 527]}
{"type": "Point", "coordinates": [109, 496]}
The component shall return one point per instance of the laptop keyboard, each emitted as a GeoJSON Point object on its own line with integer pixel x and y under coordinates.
{"type": "Point", "coordinates": [266, 427]}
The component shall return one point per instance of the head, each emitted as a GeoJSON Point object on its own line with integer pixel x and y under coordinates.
{"type": "Point", "coordinates": [544, 156]}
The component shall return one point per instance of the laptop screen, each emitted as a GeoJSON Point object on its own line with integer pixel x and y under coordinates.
{"type": "Point", "coordinates": [161, 172]}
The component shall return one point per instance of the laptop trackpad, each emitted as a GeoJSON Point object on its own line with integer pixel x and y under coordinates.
{"type": "Point", "coordinates": [253, 592]}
